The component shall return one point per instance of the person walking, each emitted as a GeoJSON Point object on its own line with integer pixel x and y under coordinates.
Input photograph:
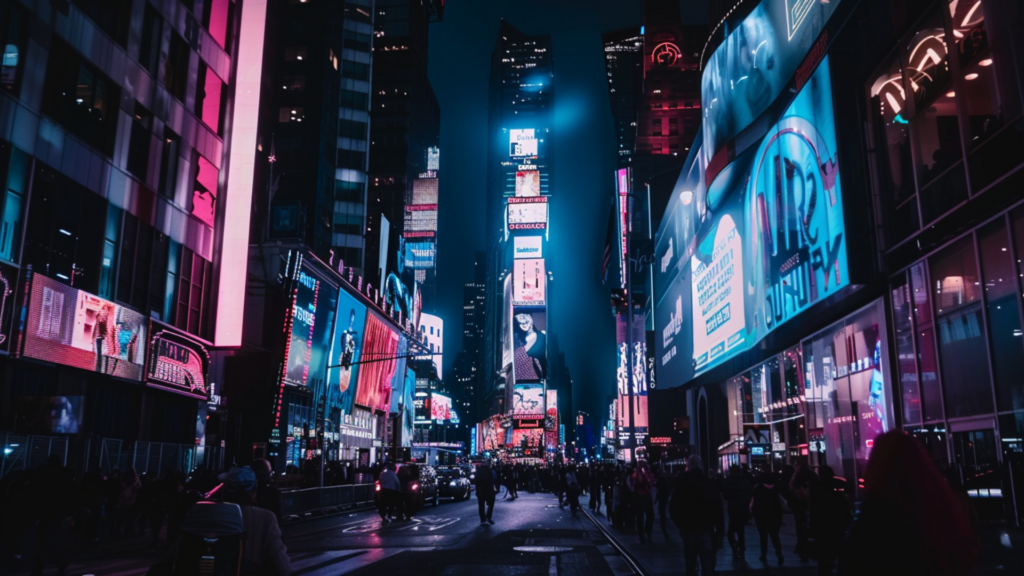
{"type": "Point", "coordinates": [128, 500]}
{"type": "Point", "coordinates": [910, 522]}
{"type": "Point", "coordinates": [572, 490]}
{"type": "Point", "coordinates": [390, 493]}
{"type": "Point", "coordinates": [596, 487]}
{"type": "Point", "coordinates": [766, 506]}
{"type": "Point", "coordinates": [830, 516]}
{"type": "Point", "coordinates": [798, 498]}
{"type": "Point", "coordinates": [486, 489]}
{"type": "Point", "coordinates": [641, 486]}
{"type": "Point", "coordinates": [696, 509]}
{"type": "Point", "coordinates": [663, 491]}
{"type": "Point", "coordinates": [738, 492]}
{"type": "Point", "coordinates": [52, 491]}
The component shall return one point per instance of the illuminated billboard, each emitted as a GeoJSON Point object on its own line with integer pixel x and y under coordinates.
{"type": "Point", "coordinates": [490, 434]}
{"type": "Point", "coordinates": [378, 356]}
{"type": "Point", "coordinates": [522, 143]}
{"type": "Point", "coordinates": [312, 319]}
{"type": "Point", "coordinates": [424, 191]}
{"type": "Point", "coordinates": [623, 180]}
{"type": "Point", "coordinates": [634, 409]}
{"type": "Point", "coordinates": [420, 255]}
{"type": "Point", "coordinates": [8, 282]}
{"type": "Point", "coordinates": [529, 339]}
{"type": "Point", "coordinates": [551, 420]}
{"type": "Point", "coordinates": [177, 362]}
{"type": "Point", "coordinates": [529, 282]}
{"type": "Point", "coordinates": [440, 407]}
{"type": "Point", "coordinates": [528, 216]}
{"type": "Point", "coordinates": [346, 351]}
{"type": "Point", "coordinates": [528, 401]}
{"type": "Point", "coordinates": [431, 328]}
{"type": "Point", "coordinates": [506, 324]}
{"type": "Point", "coordinates": [528, 247]}
{"type": "Point", "coordinates": [74, 328]}
{"type": "Point", "coordinates": [527, 183]}
{"type": "Point", "coordinates": [528, 438]}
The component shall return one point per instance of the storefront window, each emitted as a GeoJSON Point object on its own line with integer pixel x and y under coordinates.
{"type": "Point", "coordinates": [962, 350]}
{"type": "Point", "coordinates": [931, 394]}
{"type": "Point", "coordinates": [970, 38]}
{"type": "Point", "coordinates": [889, 108]}
{"type": "Point", "coordinates": [906, 366]}
{"type": "Point", "coordinates": [1004, 329]}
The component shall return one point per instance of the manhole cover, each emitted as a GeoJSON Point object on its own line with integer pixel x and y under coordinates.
{"type": "Point", "coordinates": [542, 549]}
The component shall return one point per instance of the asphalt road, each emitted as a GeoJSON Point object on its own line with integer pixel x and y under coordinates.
{"type": "Point", "coordinates": [447, 540]}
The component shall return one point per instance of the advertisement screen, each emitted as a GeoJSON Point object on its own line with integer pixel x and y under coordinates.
{"type": "Point", "coordinates": [639, 379]}
{"type": "Point", "coordinates": [408, 407]}
{"type": "Point", "coordinates": [420, 255]}
{"type": "Point", "coordinates": [530, 344]}
{"type": "Point", "coordinates": [528, 401]}
{"type": "Point", "coordinates": [440, 407]}
{"type": "Point", "coordinates": [311, 324]}
{"type": "Point", "coordinates": [8, 281]}
{"type": "Point", "coordinates": [490, 434]}
{"type": "Point", "coordinates": [506, 325]}
{"type": "Point", "coordinates": [177, 362]}
{"type": "Point", "coordinates": [522, 143]}
{"type": "Point", "coordinates": [528, 247]}
{"type": "Point", "coordinates": [49, 414]}
{"type": "Point", "coordinates": [527, 183]}
{"type": "Point", "coordinates": [716, 273]}
{"type": "Point", "coordinates": [528, 216]}
{"type": "Point", "coordinates": [378, 356]}
{"type": "Point", "coordinates": [74, 328]}
{"type": "Point", "coordinates": [424, 191]}
{"type": "Point", "coordinates": [398, 378]}
{"type": "Point", "coordinates": [551, 420]}
{"type": "Point", "coordinates": [346, 350]}
{"type": "Point", "coordinates": [528, 438]}
{"type": "Point", "coordinates": [528, 282]}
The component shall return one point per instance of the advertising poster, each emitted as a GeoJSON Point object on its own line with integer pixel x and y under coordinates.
{"type": "Point", "coordinates": [527, 215]}
{"type": "Point", "coordinates": [528, 401]}
{"type": "Point", "coordinates": [74, 328]}
{"type": "Point", "coordinates": [522, 143]}
{"type": "Point", "coordinates": [490, 434]}
{"type": "Point", "coordinates": [398, 379]}
{"type": "Point", "coordinates": [529, 282]}
{"type": "Point", "coordinates": [506, 325]}
{"type": "Point", "coordinates": [177, 362]}
{"type": "Point", "coordinates": [378, 355]}
{"type": "Point", "coordinates": [8, 282]}
{"type": "Point", "coordinates": [551, 420]}
{"type": "Point", "coordinates": [528, 247]}
{"type": "Point", "coordinates": [49, 414]}
{"type": "Point", "coordinates": [527, 183]}
{"type": "Point", "coordinates": [639, 379]}
{"type": "Point", "coordinates": [408, 407]}
{"type": "Point", "coordinates": [346, 350]}
{"type": "Point", "coordinates": [440, 407]}
{"type": "Point", "coordinates": [528, 438]}
{"type": "Point", "coordinates": [313, 310]}
{"type": "Point", "coordinates": [719, 320]}
{"type": "Point", "coordinates": [530, 344]}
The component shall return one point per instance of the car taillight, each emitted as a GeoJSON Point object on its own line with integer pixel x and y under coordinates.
{"type": "Point", "coordinates": [376, 486]}
{"type": "Point", "coordinates": [414, 486]}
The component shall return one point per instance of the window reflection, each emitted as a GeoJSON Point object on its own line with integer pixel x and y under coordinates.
{"type": "Point", "coordinates": [927, 62]}
{"type": "Point", "coordinates": [969, 34]}
{"type": "Point", "coordinates": [981, 96]}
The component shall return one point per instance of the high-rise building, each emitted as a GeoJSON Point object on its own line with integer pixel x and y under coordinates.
{"type": "Point", "coordinates": [474, 297]}
{"type": "Point", "coordinates": [122, 227]}
{"type": "Point", "coordinates": [404, 153]}
{"type": "Point", "coordinates": [623, 60]}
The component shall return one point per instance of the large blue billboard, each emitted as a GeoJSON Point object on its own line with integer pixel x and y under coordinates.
{"type": "Point", "coordinates": [345, 350]}
{"type": "Point", "coordinates": [769, 243]}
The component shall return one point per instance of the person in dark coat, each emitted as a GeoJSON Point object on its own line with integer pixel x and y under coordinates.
{"type": "Point", "coordinates": [53, 491]}
{"type": "Point", "coordinates": [738, 492]}
{"type": "Point", "coordinates": [663, 490]}
{"type": "Point", "coordinates": [696, 509]}
{"type": "Point", "coordinates": [486, 489]}
{"type": "Point", "coordinates": [268, 496]}
{"type": "Point", "coordinates": [830, 516]}
{"type": "Point", "coordinates": [798, 498]}
{"type": "Point", "coordinates": [766, 506]}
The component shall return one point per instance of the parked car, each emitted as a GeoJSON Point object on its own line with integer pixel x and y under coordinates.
{"type": "Point", "coordinates": [453, 483]}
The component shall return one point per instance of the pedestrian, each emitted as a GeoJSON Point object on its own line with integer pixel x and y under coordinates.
{"type": "Point", "coordinates": [910, 522]}
{"type": "Point", "coordinates": [268, 496]}
{"type": "Point", "coordinates": [696, 509]}
{"type": "Point", "coordinates": [663, 491]}
{"type": "Point", "coordinates": [572, 490]}
{"type": "Point", "coordinates": [486, 489]}
{"type": "Point", "coordinates": [641, 486]}
{"type": "Point", "coordinates": [15, 510]}
{"type": "Point", "coordinates": [766, 506]}
{"type": "Point", "coordinates": [798, 498]}
{"type": "Point", "coordinates": [830, 516]}
{"type": "Point", "coordinates": [596, 487]}
{"type": "Point", "coordinates": [609, 493]}
{"type": "Point", "coordinates": [53, 503]}
{"type": "Point", "coordinates": [738, 492]}
{"type": "Point", "coordinates": [127, 501]}
{"type": "Point", "coordinates": [390, 492]}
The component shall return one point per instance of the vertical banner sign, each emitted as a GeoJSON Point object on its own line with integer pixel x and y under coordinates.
{"type": "Point", "coordinates": [623, 177]}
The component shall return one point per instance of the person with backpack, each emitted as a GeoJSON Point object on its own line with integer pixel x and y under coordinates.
{"type": "Point", "coordinates": [641, 486]}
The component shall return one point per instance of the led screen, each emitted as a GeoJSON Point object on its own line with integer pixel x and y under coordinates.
{"type": "Point", "coordinates": [71, 327]}
{"type": "Point", "coordinates": [522, 143]}
{"type": "Point", "coordinates": [528, 401]}
{"type": "Point", "coordinates": [8, 281]}
{"type": "Point", "coordinates": [408, 408]}
{"type": "Point", "coordinates": [639, 378]}
{"type": "Point", "coordinates": [378, 356]}
{"type": "Point", "coordinates": [440, 407]}
{"type": "Point", "coordinates": [527, 183]}
{"type": "Point", "coordinates": [420, 255]}
{"type": "Point", "coordinates": [529, 282]}
{"type": "Point", "coordinates": [528, 438]}
{"type": "Point", "coordinates": [346, 350]}
{"type": "Point", "coordinates": [424, 191]}
{"type": "Point", "coordinates": [398, 378]}
{"type": "Point", "coordinates": [506, 325]}
{"type": "Point", "coordinates": [49, 414]}
{"type": "Point", "coordinates": [551, 420]}
{"type": "Point", "coordinates": [532, 216]}
{"type": "Point", "coordinates": [312, 320]}
{"type": "Point", "coordinates": [529, 339]}
{"type": "Point", "coordinates": [528, 247]}
{"type": "Point", "coordinates": [490, 434]}
{"type": "Point", "coordinates": [177, 362]}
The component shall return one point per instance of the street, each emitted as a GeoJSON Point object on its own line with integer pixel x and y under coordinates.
{"type": "Point", "coordinates": [446, 540]}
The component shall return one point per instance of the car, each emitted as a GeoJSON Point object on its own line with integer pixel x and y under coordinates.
{"type": "Point", "coordinates": [453, 483]}
{"type": "Point", "coordinates": [419, 486]}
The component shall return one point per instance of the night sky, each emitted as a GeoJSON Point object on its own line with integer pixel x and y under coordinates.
{"type": "Point", "coordinates": [584, 162]}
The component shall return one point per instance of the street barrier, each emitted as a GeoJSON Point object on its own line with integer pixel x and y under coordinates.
{"type": "Point", "coordinates": [297, 504]}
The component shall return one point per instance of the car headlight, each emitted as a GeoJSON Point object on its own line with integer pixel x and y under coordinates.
{"type": "Point", "coordinates": [453, 483]}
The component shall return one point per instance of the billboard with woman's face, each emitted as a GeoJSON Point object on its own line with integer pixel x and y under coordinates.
{"type": "Point", "coordinates": [530, 344]}
{"type": "Point", "coordinates": [346, 350]}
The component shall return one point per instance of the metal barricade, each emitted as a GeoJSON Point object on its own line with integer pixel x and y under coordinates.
{"type": "Point", "coordinates": [326, 500]}
{"type": "Point", "coordinates": [30, 452]}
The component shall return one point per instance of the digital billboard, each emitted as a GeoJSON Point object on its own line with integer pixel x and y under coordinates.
{"type": "Point", "coordinates": [424, 191]}
{"type": "Point", "coordinates": [490, 434]}
{"type": "Point", "coordinates": [551, 420]}
{"type": "Point", "coordinates": [638, 345]}
{"type": "Point", "coordinates": [528, 438]}
{"type": "Point", "coordinates": [74, 328]}
{"type": "Point", "coordinates": [420, 255]}
{"type": "Point", "coordinates": [408, 408]}
{"type": "Point", "coordinates": [528, 401]}
{"type": "Point", "coordinates": [527, 183]}
{"type": "Point", "coordinates": [177, 362]}
{"type": "Point", "coordinates": [378, 356]}
{"type": "Point", "coordinates": [528, 216]}
{"type": "Point", "coordinates": [530, 344]}
{"type": "Point", "coordinates": [346, 351]}
{"type": "Point", "coordinates": [529, 282]}
{"type": "Point", "coordinates": [440, 407]}
{"type": "Point", "coordinates": [8, 281]}
{"type": "Point", "coordinates": [312, 319]}
{"type": "Point", "coordinates": [522, 143]}
{"type": "Point", "coordinates": [49, 414]}
{"type": "Point", "coordinates": [506, 324]}
{"type": "Point", "coordinates": [528, 247]}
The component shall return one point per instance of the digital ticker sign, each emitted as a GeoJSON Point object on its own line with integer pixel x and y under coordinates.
{"type": "Point", "coordinates": [527, 215]}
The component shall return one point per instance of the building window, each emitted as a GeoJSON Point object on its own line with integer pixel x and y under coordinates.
{"type": "Point", "coordinates": [1003, 310]}
{"type": "Point", "coordinates": [204, 191]}
{"type": "Point", "coordinates": [353, 99]}
{"type": "Point", "coordinates": [355, 70]}
{"type": "Point", "coordinates": [80, 97]}
{"type": "Point", "coordinates": [357, 41]}
{"type": "Point", "coordinates": [352, 159]}
{"type": "Point", "coordinates": [348, 191]}
{"type": "Point", "coordinates": [138, 149]}
{"type": "Point", "coordinates": [210, 95]}
{"type": "Point", "coordinates": [352, 129]}
{"type": "Point", "coordinates": [176, 67]}
{"type": "Point", "coordinates": [149, 47]}
{"type": "Point", "coordinates": [290, 114]}
{"type": "Point", "coordinates": [194, 274]}
{"type": "Point", "coordinates": [892, 143]}
{"type": "Point", "coordinates": [656, 126]}
{"type": "Point", "coordinates": [141, 272]}
{"type": "Point", "coordinates": [169, 163]}
{"type": "Point", "coordinates": [293, 83]}
{"type": "Point", "coordinates": [906, 364]}
{"type": "Point", "coordinates": [14, 171]}
{"type": "Point", "coordinates": [13, 39]}
{"type": "Point", "coordinates": [111, 240]}
{"type": "Point", "coordinates": [673, 127]}
{"type": "Point", "coordinates": [216, 16]}
{"type": "Point", "coordinates": [294, 53]}
{"type": "Point", "coordinates": [111, 16]}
